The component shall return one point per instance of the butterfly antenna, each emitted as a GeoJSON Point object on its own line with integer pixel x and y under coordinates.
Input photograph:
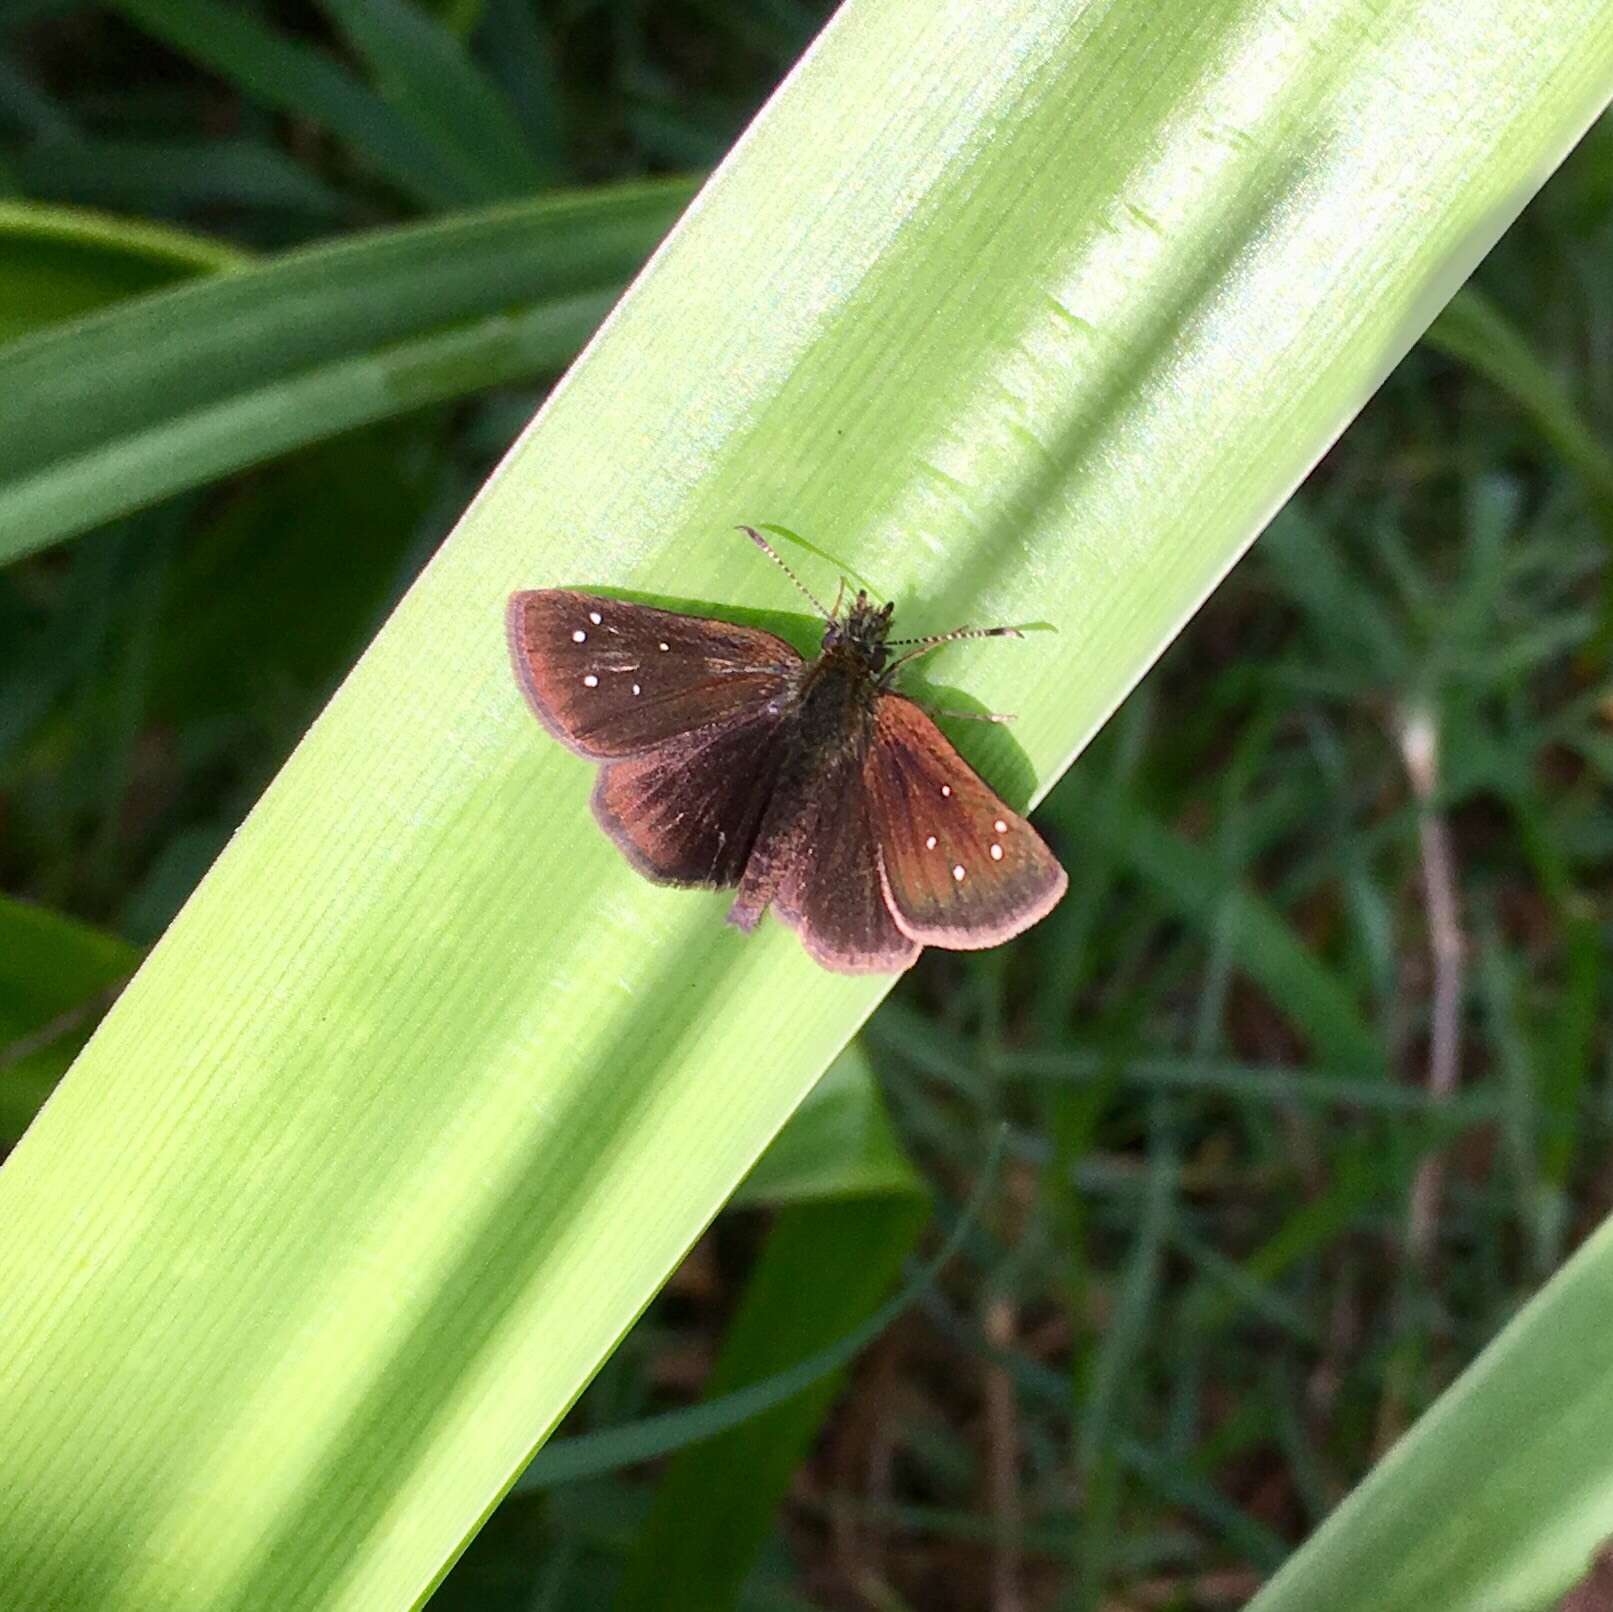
{"type": "Point", "coordinates": [778, 560]}
{"type": "Point", "coordinates": [922, 646]}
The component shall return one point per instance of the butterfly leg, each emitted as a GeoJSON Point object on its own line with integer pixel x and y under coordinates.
{"type": "Point", "coordinates": [962, 716]}
{"type": "Point", "coordinates": [777, 842]}
{"type": "Point", "coordinates": [751, 902]}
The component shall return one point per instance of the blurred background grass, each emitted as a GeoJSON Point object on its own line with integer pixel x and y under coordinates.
{"type": "Point", "coordinates": [1307, 1081]}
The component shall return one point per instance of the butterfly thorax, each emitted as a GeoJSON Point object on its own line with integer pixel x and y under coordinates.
{"type": "Point", "coordinates": [861, 636]}
{"type": "Point", "coordinates": [840, 689]}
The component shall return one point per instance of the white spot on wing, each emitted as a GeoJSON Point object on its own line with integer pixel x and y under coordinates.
{"type": "Point", "coordinates": [579, 637]}
{"type": "Point", "coordinates": [590, 681]}
{"type": "Point", "coordinates": [929, 844]}
{"type": "Point", "coordinates": [637, 689]}
{"type": "Point", "coordinates": [946, 789]}
{"type": "Point", "coordinates": [1000, 826]}
{"type": "Point", "coordinates": [595, 617]}
{"type": "Point", "coordinates": [665, 646]}
{"type": "Point", "coordinates": [957, 872]}
{"type": "Point", "coordinates": [996, 853]}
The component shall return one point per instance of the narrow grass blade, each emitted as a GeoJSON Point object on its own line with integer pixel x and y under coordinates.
{"type": "Point", "coordinates": [426, 74]}
{"type": "Point", "coordinates": [274, 70]}
{"type": "Point", "coordinates": [176, 178]}
{"type": "Point", "coordinates": [1193, 882]}
{"type": "Point", "coordinates": [520, 54]}
{"type": "Point", "coordinates": [1477, 333]}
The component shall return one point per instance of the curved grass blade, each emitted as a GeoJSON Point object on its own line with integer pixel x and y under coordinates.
{"type": "Point", "coordinates": [567, 1459]}
{"type": "Point", "coordinates": [1474, 331]}
{"type": "Point", "coordinates": [204, 379]}
{"type": "Point", "coordinates": [58, 262]}
{"type": "Point", "coordinates": [55, 980]}
{"type": "Point", "coordinates": [29, 108]}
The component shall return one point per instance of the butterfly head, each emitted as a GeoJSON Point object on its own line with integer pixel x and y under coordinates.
{"type": "Point", "coordinates": [862, 633]}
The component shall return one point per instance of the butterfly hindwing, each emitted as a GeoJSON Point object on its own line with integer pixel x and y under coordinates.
{"type": "Point", "coordinates": [688, 813]}
{"type": "Point", "coordinates": [832, 896]}
{"type": "Point", "coordinates": [958, 867]}
{"type": "Point", "coordinates": [610, 679]}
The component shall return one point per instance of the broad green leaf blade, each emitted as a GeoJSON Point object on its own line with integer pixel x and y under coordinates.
{"type": "Point", "coordinates": [1497, 1499]}
{"type": "Point", "coordinates": [424, 1092]}
{"type": "Point", "coordinates": [204, 379]}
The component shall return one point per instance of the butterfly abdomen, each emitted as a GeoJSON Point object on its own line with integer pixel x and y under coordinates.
{"type": "Point", "coordinates": [832, 727]}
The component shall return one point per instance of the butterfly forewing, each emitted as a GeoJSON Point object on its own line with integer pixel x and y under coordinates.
{"type": "Point", "coordinates": [958, 868]}
{"type": "Point", "coordinates": [616, 679]}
